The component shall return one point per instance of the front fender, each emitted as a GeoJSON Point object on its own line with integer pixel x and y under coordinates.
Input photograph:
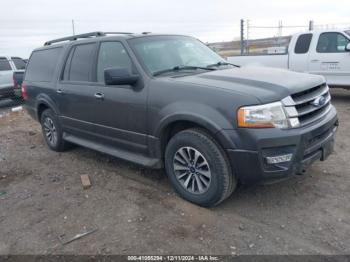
{"type": "Point", "coordinates": [200, 114]}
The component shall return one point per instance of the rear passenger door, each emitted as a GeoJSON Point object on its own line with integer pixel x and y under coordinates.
{"type": "Point", "coordinates": [121, 114]}
{"type": "Point", "coordinates": [75, 91]}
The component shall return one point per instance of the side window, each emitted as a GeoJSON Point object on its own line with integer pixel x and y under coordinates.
{"type": "Point", "coordinates": [111, 55]}
{"type": "Point", "coordinates": [332, 43]}
{"type": "Point", "coordinates": [4, 64]}
{"type": "Point", "coordinates": [302, 45]}
{"type": "Point", "coordinates": [42, 64]}
{"type": "Point", "coordinates": [80, 64]}
{"type": "Point", "coordinates": [19, 63]}
{"type": "Point", "coordinates": [65, 75]}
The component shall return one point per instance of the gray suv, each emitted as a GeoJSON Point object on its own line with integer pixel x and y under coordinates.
{"type": "Point", "coordinates": [168, 101]}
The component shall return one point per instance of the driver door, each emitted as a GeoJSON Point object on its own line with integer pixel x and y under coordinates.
{"type": "Point", "coordinates": [330, 58]}
{"type": "Point", "coordinates": [120, 114]}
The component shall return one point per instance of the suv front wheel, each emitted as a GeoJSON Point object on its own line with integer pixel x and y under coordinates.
{"type": "Point", "coordinates": [198, 168]}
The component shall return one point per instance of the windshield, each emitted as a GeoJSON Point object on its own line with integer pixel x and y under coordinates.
{"type": "Point", "coordinates": [159, 53]}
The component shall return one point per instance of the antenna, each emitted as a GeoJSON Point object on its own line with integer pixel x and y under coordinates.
{"type": "Point", "coordinates": [73, 27]}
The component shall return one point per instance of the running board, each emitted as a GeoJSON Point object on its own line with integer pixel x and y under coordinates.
{"type": "Point", "coordinates": [119, 153]}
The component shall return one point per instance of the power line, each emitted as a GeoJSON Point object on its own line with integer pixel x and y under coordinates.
{"type": "Point", "coordinates": [284, 26]}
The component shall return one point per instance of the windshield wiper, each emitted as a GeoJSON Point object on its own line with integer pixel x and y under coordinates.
{"type": "Point", "coordinates": [221, 63]}
{"type": "Point", "coordinates": [179, 68]}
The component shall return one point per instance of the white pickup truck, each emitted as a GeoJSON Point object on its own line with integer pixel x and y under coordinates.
{"type": "Point", "coordinates": [8, 65]}
{"type": "Point", "coordinates": [325, 53]}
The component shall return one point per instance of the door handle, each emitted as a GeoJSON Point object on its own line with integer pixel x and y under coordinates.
{"type": "Point", "coordinates": [59, 91]}
{"type": "Point", "coordinates": [315, 61]}
{"type": "Point", "coordinates": [100, 96]}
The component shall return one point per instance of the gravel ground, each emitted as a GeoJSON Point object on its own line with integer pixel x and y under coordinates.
{"type": "Point", "coordinates": [42, 204]}
{"type": "Point", "coordinates": [7, 104]}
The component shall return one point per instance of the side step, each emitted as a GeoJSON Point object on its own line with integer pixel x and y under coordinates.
{"type": "Point", "coordinates": [119, 153]}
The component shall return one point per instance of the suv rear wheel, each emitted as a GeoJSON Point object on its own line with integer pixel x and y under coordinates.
{"type": "Point", "coordinates": [52, 131]}
{"type": "Point", "coordinates": [198, 168]}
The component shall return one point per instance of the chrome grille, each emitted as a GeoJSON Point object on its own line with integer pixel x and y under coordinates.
{"type": "Point", "coordinates": [308, 106]}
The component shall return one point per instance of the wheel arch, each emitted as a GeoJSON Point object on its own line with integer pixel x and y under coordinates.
{"type": "Point", "coordinates": [175, 124]}
{"type": "Point", "coordinates": [44, 102]}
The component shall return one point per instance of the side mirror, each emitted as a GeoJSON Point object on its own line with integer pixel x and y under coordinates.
{"type": "Point", "coordinates": [119, 76]}
{"type": "Point", "coordinates": [347, 48]}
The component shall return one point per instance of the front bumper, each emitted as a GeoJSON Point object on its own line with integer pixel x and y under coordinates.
{"type": "Point", "coordinates": [252, 146]}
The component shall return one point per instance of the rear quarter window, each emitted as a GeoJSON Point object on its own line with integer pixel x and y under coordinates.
{"type": "Point", "coordinates": [42, 65]}
{"type": "Point", "coordinates": [302, 45]}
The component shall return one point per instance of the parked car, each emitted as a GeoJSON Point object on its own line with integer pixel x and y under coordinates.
{"type": "Point", "coordinates": [169, 101]}
{"type": "Point", "coordinates": [325, 53]}
{"type": "Point", "coordinates": [8, 65]}
{"type": "Point", "coordinates": [18, 79]}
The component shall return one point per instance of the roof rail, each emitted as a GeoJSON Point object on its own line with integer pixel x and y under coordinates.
{"type": "Point", "coordinates": [87, 35]}
{"type": "Point", "coordinates": [117, 33]}
{"type": "Point", "coordinates": [75, 37]}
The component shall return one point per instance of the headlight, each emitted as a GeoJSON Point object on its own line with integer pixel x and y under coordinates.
{"type": "Point", "coordinates": [262, 116]}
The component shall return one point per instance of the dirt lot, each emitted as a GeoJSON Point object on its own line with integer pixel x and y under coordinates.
{"type": "Point", "coordinates": [7, 104]}
{"type": "Point", "coordinates": [42, 203]}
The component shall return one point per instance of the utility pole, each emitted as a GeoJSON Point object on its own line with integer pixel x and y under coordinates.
{"type": "Point", "coordinates": [242, 36]}
{"type": "Point", "coordinates": [280, 27]}
{"type": "Point", "coordinates": [246, 43]}
{"type": "Point", "coordinates": [73, 27]}
{"type": "Point", "coordinates": [311, 25]}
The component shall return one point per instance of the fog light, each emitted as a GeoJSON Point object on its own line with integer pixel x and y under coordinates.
{"type": "Point", "coordinates": [279, 159]}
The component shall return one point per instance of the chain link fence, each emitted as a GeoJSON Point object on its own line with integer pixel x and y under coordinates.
{"type": "Point", "coordinates": [267, 38]}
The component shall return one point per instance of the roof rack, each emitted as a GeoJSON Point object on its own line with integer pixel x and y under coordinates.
{"type": "Point", "coordinates": [87, 35]}
{"type": "Point", "coordinates": [117, 33]}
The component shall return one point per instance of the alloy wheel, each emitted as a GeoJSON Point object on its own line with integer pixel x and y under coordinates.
{"type": "Point", "coordinates": [192, 170]}
{"type": "Point", "coordinates": [50, 131]}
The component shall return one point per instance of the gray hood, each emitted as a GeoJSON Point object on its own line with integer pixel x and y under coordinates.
{"type": "Point", "coordinates": [266, 84]}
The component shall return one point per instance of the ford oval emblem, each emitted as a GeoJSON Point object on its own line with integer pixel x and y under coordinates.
{"type": "Point", "coordinates": [319, 101]}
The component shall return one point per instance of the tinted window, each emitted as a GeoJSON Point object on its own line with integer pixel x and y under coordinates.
{"type": "Point", "coordinates": [4, 64]}
{"type": "Point", "coordinates": [19, 63]}
{"type": "Point", "coordinates": [42, 64]}
{"type": "Point", "coordinates": [303, 44]}
{"type": "Point", "coordinates": [111, 55]}
{"type": "Point", "coordinates": [332, 43]}
{"type": "Point", "coordinates": [80, 66]}
{"type": "Point", "coordinates": [67, 66]}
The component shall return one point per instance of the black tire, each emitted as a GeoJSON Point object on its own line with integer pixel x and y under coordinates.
{"type": "Point", "coordinates": [49, 120]}
{"type": "Point", "coordinates": [221, 183]}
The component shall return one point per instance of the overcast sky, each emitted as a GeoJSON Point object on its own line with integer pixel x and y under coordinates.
{"type": "Point", "coordinates": [27, 24]}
